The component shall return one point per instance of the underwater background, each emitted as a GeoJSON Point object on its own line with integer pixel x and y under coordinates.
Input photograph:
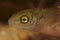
{"type": "Point", "coordinates": [8, 7]}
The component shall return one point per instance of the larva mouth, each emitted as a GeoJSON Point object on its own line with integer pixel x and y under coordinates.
{"type": "Point", "coordinates": [11, 33]}
{"type": "Point", "coordinates": [40, 37]}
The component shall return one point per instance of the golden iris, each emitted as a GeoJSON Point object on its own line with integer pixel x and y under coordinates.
{"type": "Point", "coordinates": [24, 19]}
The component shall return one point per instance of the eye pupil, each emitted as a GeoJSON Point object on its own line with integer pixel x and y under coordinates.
{"type": "Point", "coordinates": [24, 19]}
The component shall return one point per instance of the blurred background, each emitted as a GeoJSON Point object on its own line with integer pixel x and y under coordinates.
{"type": "Point", "coordinates": [8, 7]}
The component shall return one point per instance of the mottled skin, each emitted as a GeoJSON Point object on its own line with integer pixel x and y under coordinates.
{"type": "Point", "coordinates": [44, 24]}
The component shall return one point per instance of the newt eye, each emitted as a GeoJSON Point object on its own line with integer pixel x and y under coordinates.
{"type": "Point", "coordinates": [24, 19]}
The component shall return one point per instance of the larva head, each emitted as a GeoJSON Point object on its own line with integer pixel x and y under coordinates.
{"type": "Point", "coordinates": [26, 19]}
{"type": "Point", "coordinates": [40, 20]}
